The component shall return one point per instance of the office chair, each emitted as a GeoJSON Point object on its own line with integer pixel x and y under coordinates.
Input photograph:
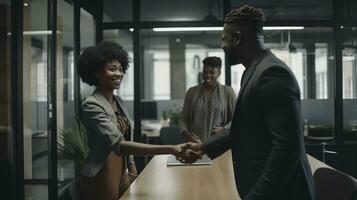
{"type": "Point", "coordinates": [171, 135]}
{"type": "Point", "coordinates": [332, 184]}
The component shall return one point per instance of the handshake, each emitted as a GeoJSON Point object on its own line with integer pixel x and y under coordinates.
{"type": "Point", "coordinates": [189, 152]}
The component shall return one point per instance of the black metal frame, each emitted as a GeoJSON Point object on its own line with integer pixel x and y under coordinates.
{"type": "Point", "coordinates": [17, 99]}
{"type": "Point", "coordinates": [77, 50]}
{"type": "Point", "coordinates": [52, 100]}
{"type": "Point", "coordinates": [337, 16]}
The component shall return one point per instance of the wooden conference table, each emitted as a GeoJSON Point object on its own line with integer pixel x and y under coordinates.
{"type": "Point", "coordinates": [160, 182]}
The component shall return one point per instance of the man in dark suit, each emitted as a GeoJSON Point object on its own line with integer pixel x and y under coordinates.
{"type": "Point", "coordinates": [266, 139]}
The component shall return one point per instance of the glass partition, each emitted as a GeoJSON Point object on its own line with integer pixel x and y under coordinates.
{"type": "Point", "coordinates": [291, 10]}
{"type": "Point", "coordinates": [65, 92]}
{"type": "Point", "coordinates": [35, 97]}
{"type": "Point", "coordinates": [172, 63]}
{"type": "Point", "coordinates": [184, 10]}
{"type": "Point", "coordinates": [87, 34]}
{"type": "Point", "coordinates": [349, 67]}
{"type": "Point", "coordinates": [117, 10]}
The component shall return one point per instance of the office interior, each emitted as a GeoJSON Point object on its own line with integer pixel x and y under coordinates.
{"type": "Point", "coordinates": [167, 40]}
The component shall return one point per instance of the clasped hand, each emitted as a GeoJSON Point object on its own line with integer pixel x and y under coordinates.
{"type": "Point", "coordinates": [189, 152]}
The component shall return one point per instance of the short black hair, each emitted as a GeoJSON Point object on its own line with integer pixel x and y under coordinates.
{"type": "Point", "coordinates": [247, 16]}
{"type": "Point", "coordinates": [95, 57]}
{"type": "Point", "coordinates": [212, 61]}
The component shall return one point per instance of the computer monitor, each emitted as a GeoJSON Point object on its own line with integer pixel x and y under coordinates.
{"type": "Point", "coordinates": [149, 110]}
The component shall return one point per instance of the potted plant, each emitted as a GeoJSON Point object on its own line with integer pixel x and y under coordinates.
{"type": "Point", "coordinates": [74, 145]}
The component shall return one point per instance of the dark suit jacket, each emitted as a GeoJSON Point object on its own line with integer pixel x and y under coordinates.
{"type": "Point", "coordinates": [266, 139]}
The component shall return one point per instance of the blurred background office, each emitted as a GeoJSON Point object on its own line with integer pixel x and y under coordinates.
{"type": "Point", "coordinates": [40, 92]}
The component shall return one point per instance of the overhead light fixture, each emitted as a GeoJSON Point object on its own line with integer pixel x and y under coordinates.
{"type": "Point", "coordinates": [269, 28]}
{"type": "Point", "coordinates": [281, 28]}
{"type": "Point", "coordinates": [131, 29]}
{"type": "Point", "coordinates": [26, 4]}
{"type": "Point", "coordinates": [173, 29]}
{"type": "Point", "coordinates": [37, 32]}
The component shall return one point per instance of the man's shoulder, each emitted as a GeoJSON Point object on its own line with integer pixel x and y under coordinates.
{"type": "Point", "coordinates": [271, 62]}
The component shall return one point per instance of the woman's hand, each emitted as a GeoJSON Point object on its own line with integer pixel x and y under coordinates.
{"type": "Point", "coordinates": [133, 173]}
{"type": "Point", "coordinates": [190, 152]}
{"type": "Point", "coordinates": [217, 130]}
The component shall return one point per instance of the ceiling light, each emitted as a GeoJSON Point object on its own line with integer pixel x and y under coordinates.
{"type": "Point", "coordinates": [280, 28]}
{"type": "Point", "coordinates": [269, 28]}
{"type": "Point", "coordinates": [173, 29]}
{"type": "Point", "coordinates": [37, 33]}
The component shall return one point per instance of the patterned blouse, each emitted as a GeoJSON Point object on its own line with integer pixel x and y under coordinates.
{"type": "Point", "coordinates": [123, 123]}
{"type": "Point", "coordinates": [208, 113]}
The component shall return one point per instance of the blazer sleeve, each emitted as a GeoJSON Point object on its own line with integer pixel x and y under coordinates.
{"type": "Point", "coordinates": [184, 117]}
{"type": "Point", "coordinates": [279, 97]}
{"type": "Point", "coordinates": [217, 145]}
{"type": "Point", "coordinates": [231, 100]}
{"type": "Point", "coordinates": [98, 121]}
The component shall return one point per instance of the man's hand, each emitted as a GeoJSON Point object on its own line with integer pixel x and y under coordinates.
{"type": "Point", "coordinates": [190, 152]}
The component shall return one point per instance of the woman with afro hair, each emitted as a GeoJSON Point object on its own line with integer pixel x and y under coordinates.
{"type": "Point", "coordinates": [107, 123]}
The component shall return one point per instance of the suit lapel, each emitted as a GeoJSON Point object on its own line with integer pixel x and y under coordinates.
{"type": "Point", "coordinates": [104, 102]}
{"type": "Point", "coordinates": [249, 72]}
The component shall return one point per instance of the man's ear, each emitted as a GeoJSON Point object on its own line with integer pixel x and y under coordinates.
{"type": "Point", "coordinates": [237, 38]}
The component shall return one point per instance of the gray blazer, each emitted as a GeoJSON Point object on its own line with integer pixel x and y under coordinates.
{"type": "Point", "coordinates": [102, 131]}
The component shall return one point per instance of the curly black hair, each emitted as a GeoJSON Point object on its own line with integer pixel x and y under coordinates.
{"type": "Point", "coordinates": [94, 58]}
{"type": "Point", "coordinates": [213, 61]}
{"type": "Point", "coordinates": [248, 16]}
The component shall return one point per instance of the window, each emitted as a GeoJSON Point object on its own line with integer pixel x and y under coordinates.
{"type": "Point", "coordinates": [349, 67]}
{"type": "Point", "coordinates": [185, 10]}
{"type": "Point", "coordinates": [291, 10]}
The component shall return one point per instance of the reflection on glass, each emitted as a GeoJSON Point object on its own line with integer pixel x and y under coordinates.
{"type": "Point", "coordinates": [185, 10]}
{"type": "Point", "coordinates": [65, 89]}
{"type": "Point", "coordinates": [35, 96]}
{"type": "Point", "coordinates": [5, 101]}
{"type": "Point", "coordinates": [117, 10]}
{"type": "Point", "coordinates": [291, 10]}
{"type": "Point", "coordinates": [349, 64]}
{"type": "Point", "coordinates": [87, 29]}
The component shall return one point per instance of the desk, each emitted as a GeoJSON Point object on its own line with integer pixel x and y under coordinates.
{"type": "Point", "coordinates": [216, 181]}
{"type": "Point", "coordinates": [157, 181]}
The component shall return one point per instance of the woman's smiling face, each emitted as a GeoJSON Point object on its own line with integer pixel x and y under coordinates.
{"type": "Point", "coordinates": [111, 75]}
{"type": "Point", "coordinates": [210, 75]}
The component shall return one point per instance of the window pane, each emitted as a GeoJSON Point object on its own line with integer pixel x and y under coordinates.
{"type": "Point", "coordinates": [87, 29]}
{"type": "Point", "coordinates": [6, 141]}
{"type": "Point", "coordinates": [184, 10]}
{"type": "Point", "coordinates": [290, 9]}
{"type": "Point", "coordinates": [349, 66]}
{"type": "Point", "coordinates": [172, 63]}
{"type": "Point", "coordinates": [350, 10]}
{"type": "Point", "coordinates": [126, 91]}
{"type": "Point", "coordinates": [65, 90]}
{"type": "Point", "coordinates": [117, 10]}
{"type": "Point", "coordinates": [35, 96]}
